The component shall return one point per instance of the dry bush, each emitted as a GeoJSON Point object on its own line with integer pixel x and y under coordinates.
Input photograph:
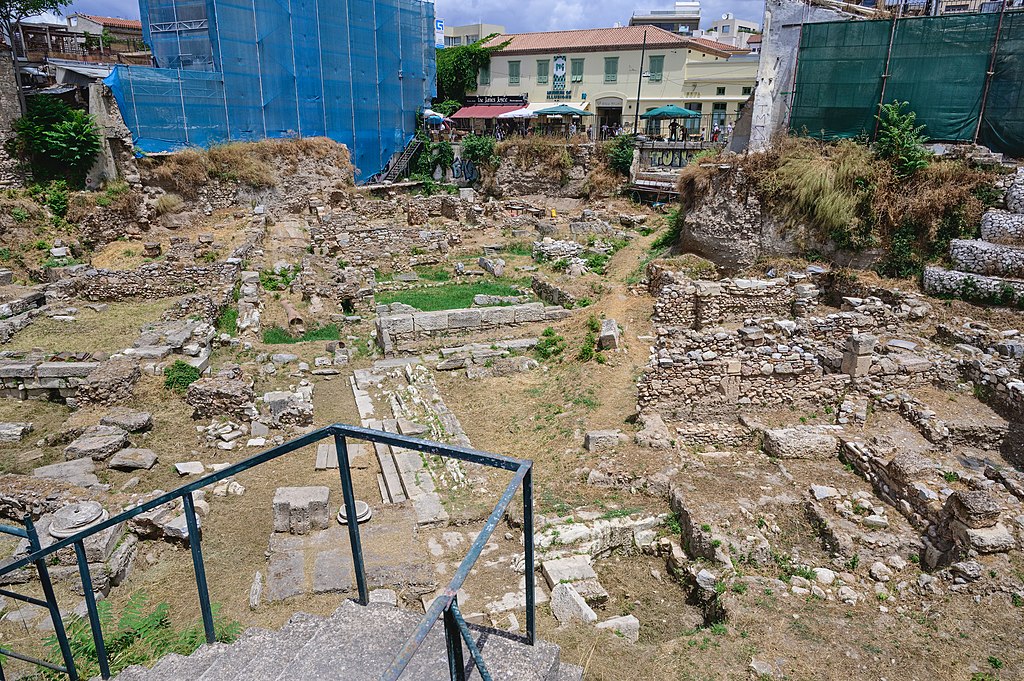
{"type": "Point", "coordinates": [533, 153]}
{"type": "Point", "coordinates": [602, 182]}
{"type": "Point", "coordinates": [696, 177]}
{"type": "Point", "coordinates": [168, 203]}
{"type": "Point", "coordinates": [253, 164]}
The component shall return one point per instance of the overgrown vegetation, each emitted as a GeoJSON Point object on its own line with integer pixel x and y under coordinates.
{"type": "Point", "coordinates": [275, 335]}
{"type": "Point", "coordinates": [588, 351]}
{"type": "Point", "coordinates": [480, 149]}
{"type": "Point", "coordinates": [227, 321]}
{"type": "Point", "coordinates": [139, 636]}
{"type": "Point", "coordinates": [894, 195]}
{"type": "Point", "coordinates": [279, 278]}
{"type": "Point", "coordinates": [179, 376]}
{"type": "Point", "coordinates": [457, 68]}
{"type": "Point", "coordinates": [549, 345]}
{"type": "Point", "coordinates": [252, 164]}
{"type": "Point", "coordinates": [620, 153]}
{"type": "Point", "coordinates": [54, 141]}
{"type": "Point", "coordinates": [446, 297]}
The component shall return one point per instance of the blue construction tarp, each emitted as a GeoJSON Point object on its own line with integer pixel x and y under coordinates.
{"type": "Point", "coordinates": [356, 71]}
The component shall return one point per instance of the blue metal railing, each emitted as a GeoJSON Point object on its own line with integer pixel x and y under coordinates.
{"type": "Point", "coordinates": [445, 605]}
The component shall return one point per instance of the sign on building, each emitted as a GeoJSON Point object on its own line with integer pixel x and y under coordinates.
{"type": "Point", "coordinates": [439, 33]}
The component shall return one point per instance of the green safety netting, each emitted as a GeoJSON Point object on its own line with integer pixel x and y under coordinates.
{"type": "Point", "coordinates": [937, 64]}
{"type": "Point", "coordinates": [352, 70]}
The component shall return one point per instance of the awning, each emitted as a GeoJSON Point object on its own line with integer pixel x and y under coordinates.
{"type": "Point", "coordinates": [534, 107]}
{"type": "Point", "coordinates": [485, 110]}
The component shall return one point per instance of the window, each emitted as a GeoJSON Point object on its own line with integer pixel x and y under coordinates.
{"type": "Point", "coordinates": [720, 91]}
{"type": "Point", "coordinates": [747, 90]}
{"type": "Point", "coordinates": [542, 70]}
{"type": "Point", "coordinates": [472, 38]}
{"type": "Point", "coordinates": [452, 41]}
{"type": "Point", "coordinates": [692, 124]}
{"type": "Point", "coordinates": [513, 73]}
{"type": "Point", "coordinates": [718, 112]}
{"type": "Point", "coordinates": [657, 67]}
{"type": "Point", "coordinates": [725, 29]}
{"type": "Point", "coordinates": [577, 70]}
{"type": "Point", "coordinates": [653, 126]}
{"type": "Point", "coordinates": [485, 75]}
{"type": "Point", "coordinates": [611, 69]}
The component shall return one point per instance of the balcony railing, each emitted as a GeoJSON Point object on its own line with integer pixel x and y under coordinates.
{"type": "Point", "coordinates": [444, 606]}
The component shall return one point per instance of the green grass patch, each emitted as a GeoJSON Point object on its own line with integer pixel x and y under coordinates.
{"type": "Point", "coordinates": [447, 297]}
{"type": "Point", "coordinates": [227, 322]}
{"type": "Point", "coordinates": [275, 335]}
{"type": "Point", "coordinates": [179, 376]}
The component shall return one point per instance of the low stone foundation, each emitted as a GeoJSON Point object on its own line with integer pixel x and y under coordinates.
{"type": "Point", "coordinates": [410, 326]}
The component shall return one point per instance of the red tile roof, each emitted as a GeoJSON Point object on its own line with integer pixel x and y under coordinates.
{"type": "Point", "coordinates": [114, 22]}
{"type": "Point", "coordinates": [717, 46]}
{"type": "Point", "coordinates": [590, 39]}
{"type": "Point", "coordinates": [754, 39]}
{"type": "Point", "coordinates": [604, 39]}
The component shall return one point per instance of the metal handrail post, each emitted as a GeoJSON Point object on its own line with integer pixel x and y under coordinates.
{"type": "Point", "coordinates": [51, 600]}
{"type": "Point", "coordinates": [531, 602]}
{"type": "Point", "coordinates": [456, 661]}
{"type": "Point", "coordinates": [200, 569]}
{"type": "Point", "coordinates": [349, 497]}
{"type": "Point", "coordinates": [90, 604]}
{"type": "Point", "coordinates": [467, 636]}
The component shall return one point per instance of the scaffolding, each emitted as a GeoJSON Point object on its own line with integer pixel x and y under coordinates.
{"type": "Point", "coordinates": [355, 71]}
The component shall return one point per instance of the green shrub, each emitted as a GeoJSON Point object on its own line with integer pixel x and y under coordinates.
{"type": "Point", "coordinates": [56, 197]}
{"type": "Point", "coordinates": [19, 214]}
{"type": "Point", "coordinates": [549, 345]}
{"type": "Point", "coordinates": [137, 637]}
{"type": "Point", "coordinates": [667, 239]}
{"type": "Point", "coordinates": [900, 140]}
{"type": "Point", "coordinates": [902, 259]}
{"type": "Point", "coordinates": [479, 149]}
{"type": "Point", "coordinates": [620, 153]}
{"type": "Point", "coordinates": [179, 376]}
{"type": "Point", "coordinates": [227, 321]}
{"type": "Point", "coordinates": [55, 141]}
{"type": "Point", "coordinates": [272, 280]}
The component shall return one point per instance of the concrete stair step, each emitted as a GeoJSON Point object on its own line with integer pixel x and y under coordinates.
{"type": "Point", "coordinates": [569, 672]}
{"type": "Point", "coordinates": [241, 652]}
{"type": "Point", "coordinates": [377, 633]}
{"type": "Point", "coordinates": [389, 471]}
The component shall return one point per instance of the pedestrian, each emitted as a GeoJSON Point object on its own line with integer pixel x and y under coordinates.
{"type": "Point", "coordinates": [572, 129]}
{"type": "Point", "coordinates": [604, 131]}
{"type": "Point", "coordinates": [673, 129]}
{"type": "Point", "coordinates": [715, 133]}
{"type": "Point", "coordinates": [590, 133]}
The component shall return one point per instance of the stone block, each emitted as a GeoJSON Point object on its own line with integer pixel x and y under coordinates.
{"type": "Point", "coordinates": [301, 509]}
{"type": "Point", "coordinates": [131, 459]}
{"type": "Point", "coordinates": [17, 369]}
{"type": "Point", "coordinates": [609, 337]}
{"type": "Point", "coordinates": [65, 369]}
{"type": "Point", "coordinates": [975, 508]}
{"type": "Point", "coordinates": [464, 319]}
{"type": "Point", "coordinates": [801, 442]}
{"type": "Point", "coordinates": [499, 316]}
{"type": "Point", "coordinates": [398, 324]}
{"type": "Point", "coordinates": [430, 322]}
{"type": "Point", "coordinates": [626, 626]}
{"type": "Point", "coordinates": [14, 431]}
{"type": "Point", "coordinates": [570, 569]}
{"type": "Point", "coordinates": [568, 606]}
{"type": "Point", "coordinates": [995, 539]}
{"type": "Point", "coordinates": [602, 440]}
{"type": "Point", "coordinates": [97, 442]}
{"type": "Point", "coordinates": [128, 419]}
{"type": "Point", "coordinates": [531, 312]}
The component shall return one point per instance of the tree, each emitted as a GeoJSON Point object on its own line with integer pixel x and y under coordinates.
{"type": "Point", "coordinates": [900, 140]}
{"type": "Point", "coordinates": [457, 67]}
{"type": "Point", "coordinates": [12, 13]}
{"type": "Point", "coordinates": [55, 141]}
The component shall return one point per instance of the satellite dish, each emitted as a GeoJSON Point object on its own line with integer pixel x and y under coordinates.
{"type": "Point", "coordinates": [727, 16]}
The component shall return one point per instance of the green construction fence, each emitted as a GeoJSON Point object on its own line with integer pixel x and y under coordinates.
{"type": "Point", "coordinates": [938, 64]}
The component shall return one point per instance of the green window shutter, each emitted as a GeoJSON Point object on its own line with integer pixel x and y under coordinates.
{"type": "Point", "coordinates": [657, 67]}
{"type": "Point", "coordinates": [577, 70]}
{"type": "Point", "coordinates": [485, 75]}
{"type": "Point", "coordinates": [611, 69]}
{"type": "Point", "coordinates": [513, 73]}
{"type": "Point", "coordinates": [542, 70]}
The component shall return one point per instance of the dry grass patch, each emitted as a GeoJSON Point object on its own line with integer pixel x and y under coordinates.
{"type": "Point", "coordinates": [112, 330]}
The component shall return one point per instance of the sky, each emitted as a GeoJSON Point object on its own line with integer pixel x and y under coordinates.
{"type": "Point", "coordinates": [528, 15]}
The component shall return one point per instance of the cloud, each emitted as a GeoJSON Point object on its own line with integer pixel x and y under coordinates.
{"type": "Point", "coordinates": [527, 15]}
{"type": "Point", "coordinates": [544, 15]}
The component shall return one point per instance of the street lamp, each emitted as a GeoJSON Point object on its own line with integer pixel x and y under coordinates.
{"type": "Point", "coordinates": [639, 83]}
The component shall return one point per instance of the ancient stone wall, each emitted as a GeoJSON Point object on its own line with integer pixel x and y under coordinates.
{"type": "Point", "coordinates": [410, 326]}
{"type": "Point", "coordinates": [152, 280]}
{"type": "Point", "coordinates": [698, 304]}
{"type": "Point", "coordinates": [939, 281]}
{"type": "Point", "coordinates": [361, 244]}
{"type": "Point", "coordinates": [551, 294]}
{"type": "Point", "coordinates": [24, 379]}
{"type": "Point", "coordinates": [9, 111]}
{"type": "Point", "coordinates": [519, 177]}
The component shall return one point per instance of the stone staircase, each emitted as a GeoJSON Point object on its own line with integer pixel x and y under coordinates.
{"type": "Point", "coordinates": [356, 643]}
{"type": "Point", "coordinates": [989, 269]}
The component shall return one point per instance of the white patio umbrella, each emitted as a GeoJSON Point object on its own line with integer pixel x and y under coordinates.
{"type": "Point", "coordinates": [518, 113]}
